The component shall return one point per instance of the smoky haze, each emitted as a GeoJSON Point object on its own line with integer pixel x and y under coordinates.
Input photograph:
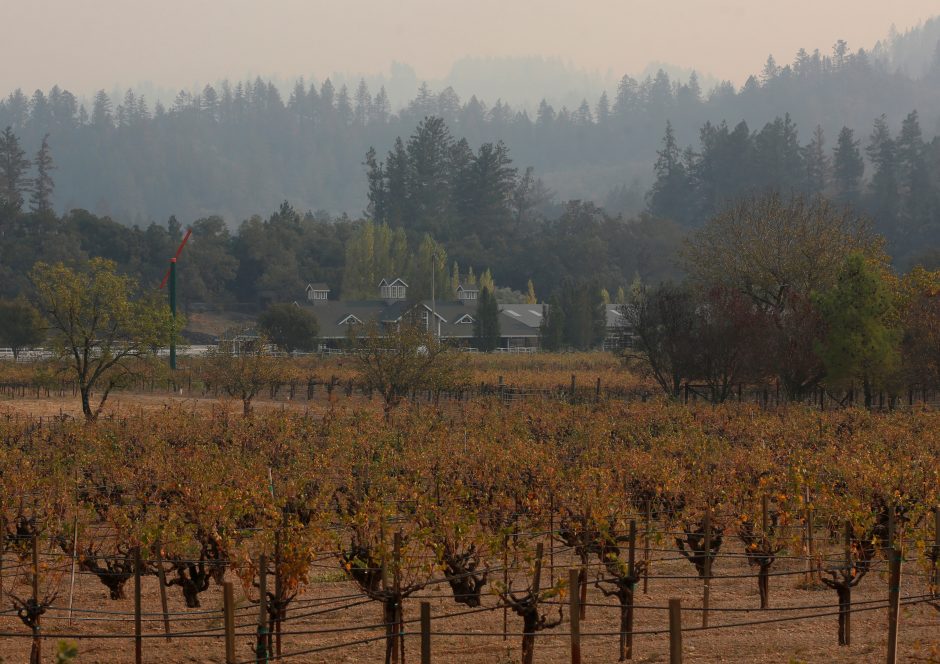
{"type": "Point", "coordinates": [184, 44]}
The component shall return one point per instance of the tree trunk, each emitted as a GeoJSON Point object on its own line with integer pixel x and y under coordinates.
{"type": "Point", "coordinates": [763, 585]}
{"type": "Point", "coordinates": [528, 637]}
{"type": "Point", "coordinates": [626, 625]}
{"type": "Point", "coordinates": [86, 404]}
{"type": "Point", "coordinates": [845, 615]}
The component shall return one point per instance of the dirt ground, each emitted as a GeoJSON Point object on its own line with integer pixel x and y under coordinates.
{"type": "Point", "coordinates": [132, 402]}
{"type": "Point", "coordinates": [478, 635]}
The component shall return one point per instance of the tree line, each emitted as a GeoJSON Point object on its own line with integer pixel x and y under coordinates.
{"type": "Point", "coordinates": [468, 213]}
{"type": "Point", "coordinates": [901, 194]}
{"type": "Point", "coordinates": [237, 148]}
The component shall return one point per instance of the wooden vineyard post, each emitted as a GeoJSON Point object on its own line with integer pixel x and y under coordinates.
{"type": "Point", "coordinates": [505, 585]}
{"type": "Point", "coordinates": [675, 631]}
{"type": "Point", "coordinates": [138, 631]}
{"type": "Point", "coordinates": [846, 607]}
{"type": "Point", "coordinates": [35, 655]}
{"type": "Point", "coordinates": [571, 394]}
{"type": "Point", "coordinates": [161, 577]}
{"type": "Point", "coordinates": [708, 566]}
{"type": "Point", "coordinates": [936, 550]}
{"type": "Point", "coordinates": [597, 390]}
{"type": "Point", "coordinates": [646, 545]}
{"type": "Point", "coordinates": [575, 611]}
{"type": "Point", "coordinates": [810, 573]}
{"type": "Point", "coordinates": [278, 591]}
{"type": "Point", "coordinates": [551, 538]}
{"type": "Point", "coordinates": [425, 633]}
{"type": "Point", "coordinates": [894, 602]}
{"type": "Point", "coordinates": [261, 647]}
{"type": "Point", "coordinates": [398, 643]}
{"type": "Point", "coordinates": [626, 640]}
{"type": "Point", "coordinates": [228, 608]}
{"type": "Point", "coordinates": [72, 573]}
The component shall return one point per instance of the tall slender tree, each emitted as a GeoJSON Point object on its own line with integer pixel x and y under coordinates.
{"type": "Point", "coordinates": [43, 185]}
{"type": "Point", "coordinates": [848, 167]}
{"type": "Point", "coordinates": [13, 168]}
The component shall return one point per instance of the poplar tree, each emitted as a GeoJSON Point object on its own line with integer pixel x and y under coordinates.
{"type": "Point", "coordinates": [13, 167]}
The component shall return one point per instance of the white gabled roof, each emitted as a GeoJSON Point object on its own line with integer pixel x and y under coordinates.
{"type": "Point", "coordinates": [388, 281]}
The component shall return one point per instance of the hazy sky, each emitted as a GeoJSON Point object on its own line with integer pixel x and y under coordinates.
{"type": "Point", "coordinates": [89, 44]}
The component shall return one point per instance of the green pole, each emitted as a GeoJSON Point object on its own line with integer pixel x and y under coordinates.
{"type": "Point", "coordinates": [173, 312]}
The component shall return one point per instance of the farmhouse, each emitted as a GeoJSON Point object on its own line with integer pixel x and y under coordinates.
{"type": "Point", "coordinates": [452, 321]}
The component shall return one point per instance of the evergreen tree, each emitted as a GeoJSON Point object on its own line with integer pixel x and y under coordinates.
{"type": "Point", "coordinates": [883, 189]}
{"type": "Point", "coordinates": [486, 330]}
{"type": "Point", "coordinates": [43, 185]}
{"type": "Point", "coordinates": [13, 167]}
{"type": "Point", "coordinates": [913, 176]}
{"type": "Point", "coordinates": [429, 178]}
{"type": "Point", "coordinates": [669, 196]}
{"type": "Point", "coordinates": [552, 327]}
{"type": "Point", "coordinates": [847, 168]}
{"type": "Point", "coordinates": [817, 164]}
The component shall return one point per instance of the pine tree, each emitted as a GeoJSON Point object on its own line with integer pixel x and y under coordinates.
{"type": "Point", "coordinates": [885, 199]}
{"type": "Point", "coordinates": [913, 176]}
{"type": "Point", "coordinates": [13, 167]}
{"type": "Point", "coordinates": [486, 330]}
{"type": "Point", "coordinates": [817, 163]}
{"type": "Point", "coordinates": [552, 328]}
{"type": "Point", "coordinates": [847, 168]}
{"type": "Point", "coordinates": [43, 185]}
{"type": "Point", "coordinates": [670, 194]}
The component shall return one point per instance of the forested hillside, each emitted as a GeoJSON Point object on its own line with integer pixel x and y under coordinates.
{"type": "Point", "coordinates": [239, 148]}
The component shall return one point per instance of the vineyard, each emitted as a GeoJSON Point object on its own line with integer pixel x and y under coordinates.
{"type": "Point", "coordinates": [485, 531]}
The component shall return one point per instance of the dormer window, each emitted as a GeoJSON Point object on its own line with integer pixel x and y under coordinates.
{"type": "Point", "coordinates": [317, 293]}
{"type": "Point", "coordinates": [467, 293]}
{"type": "Point", "coordinates": [393, 289]}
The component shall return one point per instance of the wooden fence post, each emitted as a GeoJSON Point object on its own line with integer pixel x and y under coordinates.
{"type": "Point", "coordinates": [571, 394]}
{"type": "Point", "coordinates": [894, 602]}
{"type": "Point", "coordinates": [138, 631]}
{"type": "Point", "coordinates": [228, 607]}
{"type": "Point", "coordinates": [575, 610]}
{"type": "Point", "coordinates": [425, 633]}
{"type": "Point", "coordinates": [675, 631]}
